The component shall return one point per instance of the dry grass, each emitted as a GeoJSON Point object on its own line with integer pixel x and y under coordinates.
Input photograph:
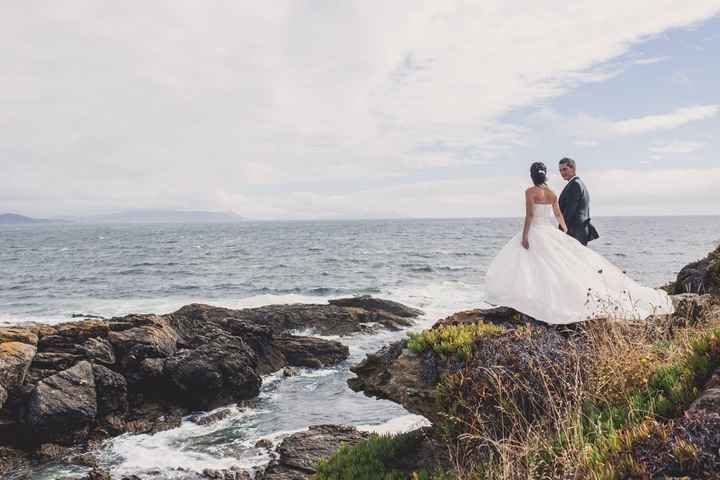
{"type": "Point", "coordinates": [535, 403]}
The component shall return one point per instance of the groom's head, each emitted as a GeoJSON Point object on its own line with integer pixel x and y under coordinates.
{"type": "Point", "coordinates": [567, 168]}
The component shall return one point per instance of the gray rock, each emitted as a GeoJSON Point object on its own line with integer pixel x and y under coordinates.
{"type": "Point", "coordinates": [300, 452]}
{"type": "Point", "coordinates": [221, 371]}
{"type": "Point", "coordinates": [377, 304]}
{"type": "Point", "coordinates": [62, 404]}
{"type": "Point", "coordinates": [98, 350]}
{"type": "Point", "coordinates": [311, 352]}
{"type": "Point", "coordinates": [111, 388]}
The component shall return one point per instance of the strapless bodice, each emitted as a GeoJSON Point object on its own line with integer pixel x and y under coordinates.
{"type": "Point", "coordinates": [542, 214]}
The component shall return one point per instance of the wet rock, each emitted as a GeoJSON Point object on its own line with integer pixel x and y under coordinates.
{"type": "Point", "coordinates": [300, 452]}
{"type": "Point", "coordinates": [322, 319]}
{"type": "Point", "coordinates": [14, 462]}
{"type": "Point", "coordinates": [219, 372]}
{"type": "Point", "coordinates": [397, 374]}
{"type": "Point", "coordinates": [15, 360]}
{"type": "Point", "coordinates": [62, 404]}
{"type": "Point", "coordinates": [264, 443]}
{"type": "Point", "coordinates": [111, 388]}
{"type": "Point", "coordinates": [18, 334]}
{"type": "Point", "coordinates": [311, 352]}
{"type": "Point", "coordinates": [289, 372]}
{"type": "Point", "coordinates": [212, 417]}
{"type": "Point", "coordinates": [51, 451]}
{"type": "Point", "coordinates": [229, 474]}
{"type": "Point", "coordinates": [377, 304]}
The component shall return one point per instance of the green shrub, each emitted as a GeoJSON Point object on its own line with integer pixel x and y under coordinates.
{"type": "Point", "coordinates": [371, 459]}
{"type": "Point", "coordinates": [451, 339]}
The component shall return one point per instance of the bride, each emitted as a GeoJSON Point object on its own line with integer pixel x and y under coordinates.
{"type": "Point", "coordinates": [548, 275]}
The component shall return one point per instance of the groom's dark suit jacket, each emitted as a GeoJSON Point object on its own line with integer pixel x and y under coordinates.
{"type": "Point", "coordinates": [575, 207]}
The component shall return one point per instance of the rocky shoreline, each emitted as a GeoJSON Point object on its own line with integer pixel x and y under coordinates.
{"type": "Point", "coordinates": [66, 387]}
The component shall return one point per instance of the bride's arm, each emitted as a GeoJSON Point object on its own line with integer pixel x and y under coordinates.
{"type": "Point", "coordinates": [528, 218]}
{"type": "Point", "coordinates": [559, 215]}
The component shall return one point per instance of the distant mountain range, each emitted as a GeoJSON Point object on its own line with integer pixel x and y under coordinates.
{"type": "Point", "coordinates": [132, 216]}
{"type": "Point", "coordinates": [15, 219]}
{"type": "Point", "coordinates": [163, 216]}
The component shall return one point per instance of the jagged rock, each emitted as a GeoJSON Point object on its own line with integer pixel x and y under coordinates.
{"type": "Point", "coordinates": [62, 404]}
{"type": "Point", "coordinates": [212, 417]}
{"type": "Point", "coordinates": [18, 334]}
{"type": "Point", "coordinates": [50, 451]}
{"type": "Point", "coordinates": [111, 388]}
{"type": "Point", "coordinates": [311, 352]}
{"type": "Point", "coordinates": [323, 319]}
{"type": "Point", "coordinates": [54, 361]}
{"type": "Point", "coordinates": [98, 350]}
{"type": "Point", "coordinates": [261, 339]}
{"type": "Point", "coordinates": [397, 374]}
{"type": "Point", "coordinates": [691, 308]}
{"type": "Point", "coordinates": [700, 277]}
{"type": "Point", "coordinates": [231, 474]}
{"type": "Point", "coordinates": [221, 371]}
{"type": "Point", "coordinates": [264, 443]}
{"type": "Point", "coordinates": [14, 462]}
{"type": "Point", "coordinates": [371, 303]}
{"type": "Point", "coordinates": [15, 360]}
{"type": "Point", "coordinates": [152, 338]}
{"type": "Point", "coordinates": [300, 452]}
{"type": "Point", "coordinates": [83, 330]}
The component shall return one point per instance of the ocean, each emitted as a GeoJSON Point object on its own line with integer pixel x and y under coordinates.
{"type": "Point", "coordinates": [49, 272]}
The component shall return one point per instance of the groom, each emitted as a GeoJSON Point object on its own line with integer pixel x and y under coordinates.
{"type": "Point", "coordinates": [575, 204]}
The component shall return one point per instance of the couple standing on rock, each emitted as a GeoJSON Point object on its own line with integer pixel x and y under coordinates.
{"type": "Point", "coordinates": [551, 275]}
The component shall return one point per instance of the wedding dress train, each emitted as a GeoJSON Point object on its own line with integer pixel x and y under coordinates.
{"type": "Point", "coordinates": [560, 281]}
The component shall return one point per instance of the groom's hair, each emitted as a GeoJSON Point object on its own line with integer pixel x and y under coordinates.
{"type": "Point", "coordinates": [567, 161]}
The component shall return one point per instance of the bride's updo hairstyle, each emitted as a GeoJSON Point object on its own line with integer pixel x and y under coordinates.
{"type": "Point", "coordinates": [538, 173]}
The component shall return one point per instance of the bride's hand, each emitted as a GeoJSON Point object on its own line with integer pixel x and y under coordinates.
{"type": "Point", "coordinates": [525, 244]}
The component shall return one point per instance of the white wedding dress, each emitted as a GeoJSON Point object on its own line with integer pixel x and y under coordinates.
{"type": "Point", "coordinates": [560, 281]}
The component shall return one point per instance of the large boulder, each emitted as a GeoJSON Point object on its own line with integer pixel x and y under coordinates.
{"type": "Point", "coordinates": [395, 373]}
{"type": "Point", "coordinates": [15, 360]}
{"type": "Point", "coordinates": [149, 337]}
{"type": "Point", "coordinates": [311, 352]}
{"type": "Point", "coordinates": [222, 370]}
{"type": "Point", "coordinates": [700, 277]}
{"type": "Point", "coordinates": [62, 404]}
{"type": "Point", "coordinates": [300, 452]}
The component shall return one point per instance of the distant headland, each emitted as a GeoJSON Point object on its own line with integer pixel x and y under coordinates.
{"type": "Point", "coordinates": [130, 216]}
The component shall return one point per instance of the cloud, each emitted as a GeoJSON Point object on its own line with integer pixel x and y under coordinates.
{"type": "Point", "coordinates": [675, 119]}
{"type": "Point", "coordinates": [650, 60]}
{"type": "Point", "coordinates": [587, 128]}
{"type": "Point", "coordinates": [613, 191]}
{"type": "Point", "coordinates": [677, 146]}
{"type": "Point", "coordinates": [151, 104]}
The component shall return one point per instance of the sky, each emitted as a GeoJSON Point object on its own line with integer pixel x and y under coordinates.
{"type": "Point", "coordinates": [332, 109]}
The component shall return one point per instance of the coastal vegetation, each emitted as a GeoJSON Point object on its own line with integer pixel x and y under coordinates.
{"type": "Point", "coordinates": [599, 400]}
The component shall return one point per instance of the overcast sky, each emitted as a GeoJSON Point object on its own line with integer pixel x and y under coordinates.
{"type": "Point", "coordinates": [349, 109]}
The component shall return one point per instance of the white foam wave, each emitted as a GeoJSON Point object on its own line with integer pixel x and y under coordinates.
{"type": "Point", "coordinates": [406, 423]}
{"type": "Point", "coordinates": [189, 446]}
